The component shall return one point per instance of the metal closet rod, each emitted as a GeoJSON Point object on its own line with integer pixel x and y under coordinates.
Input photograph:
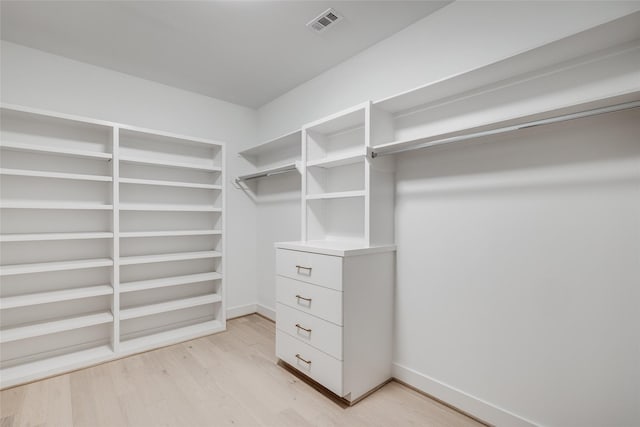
{"type": "Point", "coordinates": [265, 174]}
{"type": "Point", "coordinates": [391, 149]}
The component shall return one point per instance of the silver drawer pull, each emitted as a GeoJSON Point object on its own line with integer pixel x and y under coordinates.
{"type": "Point", "coordinates": [302, 267]}
{"type": "Point", "coordinates": [308, 362]}
{"type": "Point", "coordinates": [304, 329]}
{"type": "Point", "coordinates": [303, 298]}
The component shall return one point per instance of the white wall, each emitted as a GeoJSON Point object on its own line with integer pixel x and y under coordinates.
{"type": "Point", "coordinates": [36, 79]}
{"type": "Point", "coordinates": [517, 260]}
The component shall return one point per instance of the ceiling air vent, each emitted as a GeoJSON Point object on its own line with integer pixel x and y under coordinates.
{"type": "Point", "coordinates": [325, 20]}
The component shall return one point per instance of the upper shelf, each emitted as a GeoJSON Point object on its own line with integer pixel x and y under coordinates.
{"type": "Point", "coordinates": [614, 33]}
{"type": "Point", "coordinates": [290, 140]}
{"type": "Point", "coordinates": [61, 151]}
{"type": "Point", "coordinates": [343, 120]}
{"type": "Point", "coordinates": [168, 163]}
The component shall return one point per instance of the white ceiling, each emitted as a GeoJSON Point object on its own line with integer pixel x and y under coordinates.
{"type": "Point", "coordinates": [245, 52]}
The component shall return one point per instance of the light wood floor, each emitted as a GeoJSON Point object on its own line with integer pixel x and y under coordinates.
{"type": "Point", "coordinates": [227, 379]}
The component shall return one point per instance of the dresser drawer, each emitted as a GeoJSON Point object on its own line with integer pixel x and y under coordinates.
{"type": "Point", "coordinates": [323, 270]}
{"type": "Point", "coordinates": [323, 335]}
{"type": "Point", "coordinates": [320, 366]}
{"type": "Point", "coordinates": [316, 300]}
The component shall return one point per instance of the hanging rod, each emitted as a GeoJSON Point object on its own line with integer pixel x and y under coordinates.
{"type": "Point", "coordinates": [400, 147]}
{"type": "Point", "coordinates": [272, 172]}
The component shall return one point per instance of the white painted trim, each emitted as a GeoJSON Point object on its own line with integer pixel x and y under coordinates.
{"type": "Point", "coordinates": [459, 399]}
{"type": "Point", "coordinates": [241, 310]}
{"type": "Point", "coordinates": [268, 312]}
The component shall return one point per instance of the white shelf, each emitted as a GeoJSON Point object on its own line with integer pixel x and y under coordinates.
{"type": "Point", "coordinates": [338, 159]}
{"type": "Point", "coordinates": [350, 118]}
{"type": "Point", "coordinates": [55, 175]}
{"type": "Point", "coordinates": [178, 256]}
{"type": "Point", "coordinates": [289, 140]}
{"type": "Point", "coordinates": [170, 337]}
{"type": "Point", "coordinates": [54, 205]}
{"type": "Point", "coordinates": [54, 296]}
{"type": "Point", "coordinates": [34, 237]}
{"type": "Point", "coordinates": [162, 183]}
{"type": "Point", "coordinates": [167, 208]}
{"type": "Point", "coordinates": [46, 328]}
{"type": "Point", "coordinates": [20, 146]}
{"type": "Point", "coordinates": [142, 285]}
{"type": "Point", "coordinates": [10, 270]}
{"type": "Point", "coordinates": [336, 195]}
{"type": "Point", "coordinates": [148, 310]}
{"type": "Point", "coordinates": [167, 163]}
{"type": "Point", "coordinates": [129, 234]}
{"type": "Point", "coordinates": [53, 365]}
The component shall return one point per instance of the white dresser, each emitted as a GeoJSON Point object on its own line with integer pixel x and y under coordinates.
{"type": "Point", "coordinates": [334, 314]}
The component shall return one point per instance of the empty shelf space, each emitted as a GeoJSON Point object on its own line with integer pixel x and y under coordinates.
{"type": "Point", "coordinates": [142, 285]}
{"type": "Point", "coordinates": [54, 326]}
{"type": "Point", "coordinates": [20, 146]}
{"type": "Point", "coordinates": [162, 183]}
{"type": "Point", "coordinates": [337, 160]}
{"type": "Point", "coordinates": [168, 163]}
{"type": "Point", "coordinates": [55, 175]}
{"type": "Point", "coordinates": [53, 365]}
{"type": "Point", "coordinates": [148, 310]}
{"type": "Point", "coordinates": [179, 256]}
{"type": "Point", "coordinates": [34, 237]}
{"type": "Point", "coordinates": [10, 270]}
{"type": "Point", "coordinates": [172, 336]}
{"type": "Point", "coordinates": [171, 233]}
{"type": "Point", "coordinates": [336, 195]}
{"type": "Point", "coordinates": [54, 205]}
{"type": "Point", "coordinates": [168, 208]}
{"type": "Point", "coordinates": [54, 296]}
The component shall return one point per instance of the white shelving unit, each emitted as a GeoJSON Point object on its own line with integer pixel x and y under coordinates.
{"type": "Point", "coordinates": [273, 157]}
{"type": "Point", "coordinates": [86, 205]}
{"type": "Point", "coordinates": [346, 196]}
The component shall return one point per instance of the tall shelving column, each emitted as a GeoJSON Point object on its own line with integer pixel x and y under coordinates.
{"type": "Point", "coordinates": [56, 295]}
{"type": "Point", "coordinates": [171, 238]}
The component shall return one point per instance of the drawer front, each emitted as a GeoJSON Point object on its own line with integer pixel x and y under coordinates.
{"type": "Point", "coordinates": [323, 270]}
{"type": "Point", "coordinates": [315, 300]}
{"type": "Point", "coordinates": [321, 367]}
{"type": "Point", "coordinates": [316, 332]}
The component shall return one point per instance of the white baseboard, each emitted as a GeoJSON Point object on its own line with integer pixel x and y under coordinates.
{"type": "Point", "coordinates": [267, 312]}
{"type": "Point", "coordinates": [457, 398]}
{"type": "Point", "coordinates": [241, 310]}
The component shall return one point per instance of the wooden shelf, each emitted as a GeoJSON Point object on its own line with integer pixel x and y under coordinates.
{"type": "Point", "coordinates": [55, 175]}
{"type": "Point", "coordinates": [134, 345]}
{"type": "Point", "coordinates": [51, 327]}
{"type": "Point", "coordinates": [167, 208]}
{"type": "Point", "coordinates": [34, 237]}
{"type": "Point", "coordinates": [142, 285]}
{"type": "Point", "coordinates": [54, 296]}
{"type": "Point", "coordinates": [178, 256]}
{"type": "Point", "coordinates": [130, 234]}
{"type": "Point", "coordinates": [54, 205]}
{"type": "Point", "coordinates": [336, 195]}
{"type": "Point", "coordinates": [162, 183]}
{"type": "Point", "coordinates": [20, 146]}
{"type": "Point", "coordinates": [338, 159]}
{"type": "Point", "coordinates": [170, 164]}
{"type": "Point", "coordinates": [31, 371]}
{"type": "Point", "coordinates": [148, 310]}
{"type": "Point", "coordinates": [13, 269]}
